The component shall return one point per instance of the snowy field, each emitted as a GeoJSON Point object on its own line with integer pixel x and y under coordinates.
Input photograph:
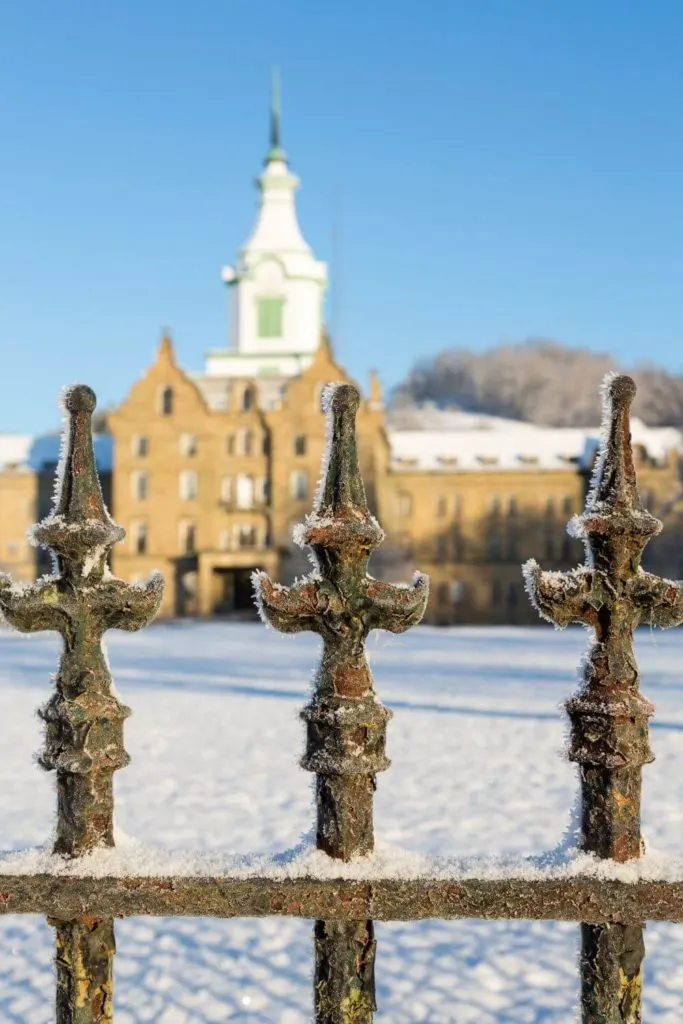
{"type": "Point", "coordinates": [476, 746]}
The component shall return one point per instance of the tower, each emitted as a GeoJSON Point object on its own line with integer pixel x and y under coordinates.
{"type": "Point", "coordinates": [277, 286]}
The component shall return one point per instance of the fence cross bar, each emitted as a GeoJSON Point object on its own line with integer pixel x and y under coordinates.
{"type": "Point", "coordinates": [588, 899]}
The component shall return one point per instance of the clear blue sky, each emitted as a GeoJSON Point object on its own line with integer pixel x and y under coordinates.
{"type": "Point", "coordinates": [495, 169]}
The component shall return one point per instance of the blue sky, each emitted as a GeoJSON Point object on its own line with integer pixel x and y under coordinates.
{"type": "Point", "coordinates": [491, 170]}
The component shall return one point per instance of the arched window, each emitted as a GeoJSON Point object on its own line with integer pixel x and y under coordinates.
{"type": "Point", "coordinates": [248, 398]}
{"type": "Point", "coordinates": [189, 484]}
{"type": "Point", "coordinates": [167, 401]}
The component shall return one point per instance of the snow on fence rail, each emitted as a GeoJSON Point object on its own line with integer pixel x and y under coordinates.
{"type": "Point", "coordinates": [608, 884]}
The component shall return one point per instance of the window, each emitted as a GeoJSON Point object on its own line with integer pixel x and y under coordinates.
{"type": "Point", "coordinates": [246, 536]}
{"type": "Point", "coordinates": [441, 507]}
{"type": "Point", "coordinates": [245, 491]}
{"type": "Point", "coordinates": [405, 505]}
{"type": "Point", "coordinates": [494, 548]}
{"type": "Point", "coordinates": [248, 399]}
{"type": "Point", "coordinates": [494, 506]}
{"type": "Point", "coordinates": [550, 507]}
{"type": "Point", "coordinates": [298, 484]}
{"type": "Point", "coordinates": [265, 447]}
{"type": "Point", "coordinates": [442, 593]}
{"type": "Point", "coordinates": [300, 444]}
{"type": "Point", "coordinates": [140, 445]}
{"type": "Point", "coordinates": [188, 444]}
{"type": "Point", "coordinates": [269, 317]}
{"type": "Point", "coordinates": [138, 537]}
{"type": "Point", "coordinates": [139, 485]}
{"type": "Point", "coordinates": [263, 490]}
{"type": "Point", "coordinates": [458, 591]}
{"type": "Point", "coordinates": [496, 593]}
{"type": "Point", "coordinates": [549, 546]}
{"type": "Point", "coordinates": [189, 485]}
{"type": "Point", "coordinates": [226, 488]}
{"type": "Point", "coordinates": [230, 444]}
{"type": "Point", "coordinates": [224, 540]}
{"type": "Point", "coordinates": [442, 548]}
{"type": "Point", "coordinates": [512, 507]}
{"type": "Point", "coordinates": [513, 595]}
{"type": "Point", "coordinates": [512, 548]}
{"type": "Point", "coordinates": [188, 538]}
{"type": "Point", "coordinates": [568, 506]}
{"type": "Point", "coordinates": [567, 548]}
{"type": "Point", "coordinates": [246, 442]}
{"type": "Point", "coordinates": [167, 401]}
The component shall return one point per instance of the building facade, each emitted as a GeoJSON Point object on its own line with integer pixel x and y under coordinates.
{"type": "Point", "coordinates": [210, 472]}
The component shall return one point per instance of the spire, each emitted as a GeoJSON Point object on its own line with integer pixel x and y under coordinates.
{"type": "Point", "coordinates": [275, 152]}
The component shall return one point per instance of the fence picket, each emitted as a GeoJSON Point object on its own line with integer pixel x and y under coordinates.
{"type": "Point", "coordinates": [83, 719]}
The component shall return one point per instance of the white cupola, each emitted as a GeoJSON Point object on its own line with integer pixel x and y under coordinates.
{"type": "Point", "coordinates": [277, 285]}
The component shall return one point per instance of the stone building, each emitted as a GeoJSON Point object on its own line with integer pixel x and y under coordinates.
{"type": "Point", "coordinates": [212, 470]}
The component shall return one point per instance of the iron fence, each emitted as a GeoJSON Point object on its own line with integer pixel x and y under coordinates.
{"type": "Point", "coordinates": [345, 745]}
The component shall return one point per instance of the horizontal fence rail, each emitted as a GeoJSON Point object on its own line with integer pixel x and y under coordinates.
{"type": "Point", "coordinates": [345, 742]}
{"type": "Point", "coordinates": [590, 899]}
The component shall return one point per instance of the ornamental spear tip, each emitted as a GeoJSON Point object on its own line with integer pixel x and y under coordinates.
{"type": "Point", "coordinates": [79, 529]}
{"type": "Point", "coordinates": [342, 486]}
{"type": "Point", "coordinates": [614, 482]}
{"type": "Point", "coordinates": [80, 494]}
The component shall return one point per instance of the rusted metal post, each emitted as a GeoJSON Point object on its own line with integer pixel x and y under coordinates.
{"type": "Point", "coordinates": [609, 717]}
{"type": "Point", "coordinates": [83, 719]}
{"type": "Point", "coordinates": [346, 723]}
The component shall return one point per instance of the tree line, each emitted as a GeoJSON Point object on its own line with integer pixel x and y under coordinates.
{"type": "Point", "coordinates": [539, 381]}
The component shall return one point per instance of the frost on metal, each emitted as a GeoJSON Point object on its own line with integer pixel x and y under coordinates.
{"type": "Point", "coordinates": [83, 719]}
{"type": "Point", "coordinates": [346, 723]}
{"type": "Point", "coordinates": [612, 595]}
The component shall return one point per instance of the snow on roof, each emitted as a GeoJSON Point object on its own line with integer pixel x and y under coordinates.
{"type": "Point", "coordinates": [498, 444]}
{"type": "Point", "coordinates": [14, 449]}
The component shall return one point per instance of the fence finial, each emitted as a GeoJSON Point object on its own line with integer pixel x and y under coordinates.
{"type": "Point", "coordinates": [346, 724]}
{"type": "Point", "coordinates": [609, 716]}
{"type": "Point", "coordinates": [84, 721]}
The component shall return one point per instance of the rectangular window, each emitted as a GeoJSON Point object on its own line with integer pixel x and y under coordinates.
{"type": "Point", "coordinates": [226, 489]}
{"type": "Point", "coordinates": [245, 491]}
{"type": "Point", "coordinates": [188, 444]}
{"type": "Point", "coordinates": [300, 444]}
{"type": "Point", "coordinates": [405, 505]}
{"type": "Point", "coordinates": [138, 537]}
{"type": "Point", "coordinates": [188, 538]}
{"type": "Point", "coordinates": [140, 445]}
{"type": "Point", "coordinates": [189, 485]}
{"type": "Point", "coordinates": [139, 485]}
{"type": "Point", "coordinates": [298, 483]}
{"type": "Point", "coordinates": [246, 536]}
{"type": "Point", "coordinates": [269, 317]}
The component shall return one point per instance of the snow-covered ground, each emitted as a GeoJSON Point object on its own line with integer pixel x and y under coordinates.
{"type": "Point", "coordinates": [476, 746]}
